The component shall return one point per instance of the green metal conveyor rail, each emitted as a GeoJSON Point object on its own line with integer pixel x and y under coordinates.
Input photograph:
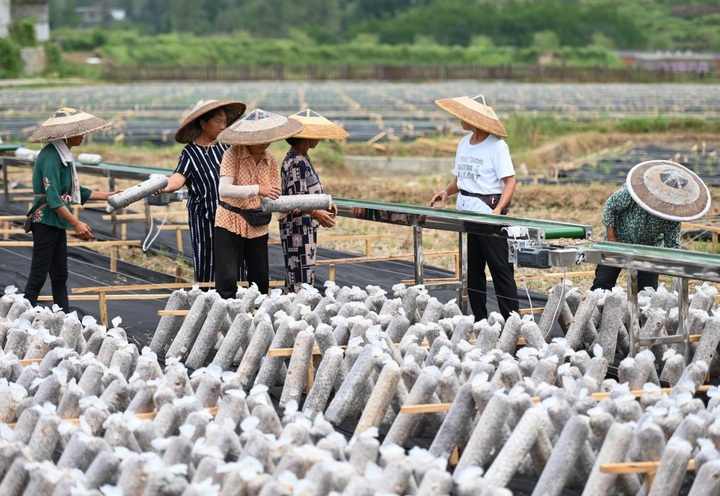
{"type": "Point", "coordinates": [419, 218]}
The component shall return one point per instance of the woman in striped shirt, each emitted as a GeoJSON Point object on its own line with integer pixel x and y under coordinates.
{"type": "Point", "coordinates": [199, 168]}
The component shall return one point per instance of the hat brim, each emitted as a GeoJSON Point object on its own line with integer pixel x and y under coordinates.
{"type": "Point", "coordinates": [289, 128]}
{"type": "Point", "coordinates": [320, 128]}
{"type": "Point", "coordinates": [187, 132]}
{"type": "Point", "coordinates": [45, 134]}
{"type": "Point", "coordinates": [473, 116]}
{"type": "Point", "coordinates": [668, 190]}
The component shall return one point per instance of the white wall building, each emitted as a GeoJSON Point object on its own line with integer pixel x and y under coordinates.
{"type": "Point", "coordinates": [21, 9]}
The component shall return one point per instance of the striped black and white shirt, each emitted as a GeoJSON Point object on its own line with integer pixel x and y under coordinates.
{"type": "Point", "coordinates": [201, 167]}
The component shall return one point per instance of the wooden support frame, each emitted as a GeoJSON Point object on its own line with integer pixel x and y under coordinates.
{"type": "Point", "coordinates": [149, 415]}
{"type": "Point", "coordinates": [91, 244]}
{"type": "Point", "coordinates": [444, 407]}
{"type": "Point", "coordinates": [713, 230]}
{"type": "Point", "coordinates": [647, 469]}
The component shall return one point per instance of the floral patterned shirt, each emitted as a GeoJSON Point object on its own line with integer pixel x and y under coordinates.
{"type": "Point", "coordinates": [299, 178]}
{"type": "Point", "coordinates": [635, 225]}
{"type": "Point", "coordinates": [52, 185]}
{"type": "Point", "coordinates": [239, 164]}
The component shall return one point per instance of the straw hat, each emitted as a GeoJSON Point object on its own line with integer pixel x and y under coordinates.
{"type": "Point", "coordinates": [475, 112]}
{"type": "Point", "coordinates": [66, 123]}
{"type": "Point", "coordinates": [668, 190]}
{"type": "Point", "coordinates": [188, 132]}
{"type": "Point", "coordinates": [259, 127]}
{"type": "Point", "coordinates": [318, 127]}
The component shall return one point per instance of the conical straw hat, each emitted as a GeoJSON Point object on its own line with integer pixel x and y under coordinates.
{"type": "Point", "coordinates": [187, 132]}
{"type": "Point", "coordinates": [475, 112]}
{"type": "Point", "coordinates": [668, 190]}
{"type": "Point", "coordinates": [259, 127]}
{"type": "Point", "coordinates": [317, 126]}
{"type": "Point", "coordinates": [67, 122]}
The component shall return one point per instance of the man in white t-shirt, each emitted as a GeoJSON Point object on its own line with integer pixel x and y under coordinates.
{"type": "Point", "coordinates": [484, 177]}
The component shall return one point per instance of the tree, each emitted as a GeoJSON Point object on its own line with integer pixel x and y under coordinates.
{"type": "Point", "coordinates": [189, 16]}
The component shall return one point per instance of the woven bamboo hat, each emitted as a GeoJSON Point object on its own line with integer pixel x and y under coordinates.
{"type": "Point", "coordinates": [668, 190]}
{"type": "Point", "coordinates": [317, 126]}
{"type": "Point", "coordinates": [475, 111]}
{"type": "Point", "coordinates": [259, 127]}
{"type": "Point", "coordinates": [188, 131]}
{"type": "Point", "coordinates": [67, 122]}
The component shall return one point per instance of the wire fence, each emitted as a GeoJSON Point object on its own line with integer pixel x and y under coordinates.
{"type": "Point", "coordinates": [349, 72]}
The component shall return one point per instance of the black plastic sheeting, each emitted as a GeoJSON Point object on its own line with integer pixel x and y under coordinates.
{"type": "Point", "coordinates": [614, 170]}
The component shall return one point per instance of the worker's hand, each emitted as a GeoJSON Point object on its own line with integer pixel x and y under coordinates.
{"type": "Point", "coordinates": [440, 196]}
{"type": "Point", "coordinates": [112, 193]}
{"type": "Point", "coordinates": [333, 210]}
{"type": "Point", "coordinates": [269, 191]}
{"type": "Point", "coordinates": [324, 217]}
{"type": "Point", "coordinates": [358, 212]}
{"type": "Point", "coordinates": [82, 230]}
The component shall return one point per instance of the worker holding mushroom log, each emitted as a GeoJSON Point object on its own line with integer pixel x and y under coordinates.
{"type": "Point", "coordinates": [647, 210]}
{"type": "Point", "coordinates": [247, 173]}
{"type": "Point", "coordinates": [198, 169]}
{"type": "Point", "coordinates": [56, 187]}
{"type": "Point", "coordinates": [299, 228]}
{"type": "Point", "coordinates": [484, 177]}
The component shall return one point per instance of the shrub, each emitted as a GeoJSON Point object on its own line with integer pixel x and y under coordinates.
{"type": "Point", "coordinates": [23, 32]}
{"type": "Point", "coordinates": [10, 62]}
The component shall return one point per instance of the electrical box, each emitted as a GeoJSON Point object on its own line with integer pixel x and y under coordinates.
{"type": "Point", "coordinates": [167, 198]}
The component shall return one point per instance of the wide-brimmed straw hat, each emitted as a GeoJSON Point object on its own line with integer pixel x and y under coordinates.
{"type": "Point", "coordinates": [317, 126]}
{"type": "Point", "coordinates": [668, 190]}
{"type": "Point", "coordinates": [475, 111]}
{"type": "Point", "coordinates": [259, 127]}
{"type": "Point", "coordinates": [67, 122]}
{"type": "Point", "coordinates": [188, 131]}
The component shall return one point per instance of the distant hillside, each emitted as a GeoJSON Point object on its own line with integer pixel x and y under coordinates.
{"type": "Point", "coordinates": [618, 24]}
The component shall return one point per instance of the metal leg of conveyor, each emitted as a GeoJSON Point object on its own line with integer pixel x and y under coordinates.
{"type": "Point", "coordinates": [463, 289]}
{"type": "Point", "coordinates": [684, 316]}
{"type": "Point", "coordinates": [418, 250]}
{"type": "Point", "coordinates": [6, 187]}
{"type": "Point", "coordinates": [148, 215]}
{"type": "Point", "coordinates": [683, 332]}
{"type": "Point", "coordinates": [634, 334]}
{"type": "Point", "coordinates": [113, 214]}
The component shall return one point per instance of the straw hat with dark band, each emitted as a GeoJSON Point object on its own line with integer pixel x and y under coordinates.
{"type": "Point", "coordinates": [475, 112]}
{"type": "Point", "coordinates": [318, 127]}
{"type": "Point", "coordinates": [188, 131]}
{"type": "Point", "coordinates": [66, 123]}
{"type": "Point", "coordinates": [668, 190]}
{"type": "Point", "coordinates": [259, 127]}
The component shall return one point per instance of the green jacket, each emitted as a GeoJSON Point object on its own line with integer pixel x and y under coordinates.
{"type": "Point", "coordinates": [53, 178]}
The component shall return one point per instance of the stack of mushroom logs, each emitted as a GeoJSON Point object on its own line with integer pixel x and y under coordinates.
{"type": "Point", "coordinates": [204, 423]}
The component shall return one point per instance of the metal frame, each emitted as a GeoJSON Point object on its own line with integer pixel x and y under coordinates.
{"type": "Point", "coordinates": [109, 170]}
{"type": "Point", "coordinates": [419, 218]}
{"type": "Point", "coordinates": [683, 264]}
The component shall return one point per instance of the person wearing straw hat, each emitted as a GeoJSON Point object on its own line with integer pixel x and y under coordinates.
{"type": "Point", "coordinates": [199, 169]}
{"type": "Point", "coordinates": [247, 173]}
{"type": "Point", "coordinates": [56, 187]}
{"type": "Point", "coordinates": [484, 177]}
{"type": "Point", "coordinates": [298, 229]}
{"type": "Point", "coordinates": [658, 195]}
